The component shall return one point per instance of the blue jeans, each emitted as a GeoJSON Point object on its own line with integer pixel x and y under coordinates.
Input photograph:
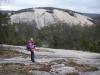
{"type": "Point", "coordinates": [32, 56]}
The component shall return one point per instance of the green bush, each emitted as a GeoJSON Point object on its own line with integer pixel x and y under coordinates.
{"type": "Point", "coordinates": [92, 48]}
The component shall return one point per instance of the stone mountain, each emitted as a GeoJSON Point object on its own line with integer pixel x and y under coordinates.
{"type": "Point", "coordinates": [45, 16]}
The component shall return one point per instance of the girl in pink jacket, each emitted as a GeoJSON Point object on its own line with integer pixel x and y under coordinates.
{"type": "Point", "coordinates": [31, 45]}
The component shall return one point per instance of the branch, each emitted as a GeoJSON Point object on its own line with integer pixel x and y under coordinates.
{"type": "Point", "coordinates": [6, 1]}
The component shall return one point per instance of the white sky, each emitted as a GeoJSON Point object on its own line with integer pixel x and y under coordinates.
{"type": "Point", "coordinates": [84, 6]}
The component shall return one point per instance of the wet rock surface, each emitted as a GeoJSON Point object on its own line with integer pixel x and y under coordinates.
{"type": "Point", "coordinates": [15, 60]}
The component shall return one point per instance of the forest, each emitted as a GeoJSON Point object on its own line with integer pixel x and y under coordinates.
{"type": "Point", "coordinates": [59, 35]}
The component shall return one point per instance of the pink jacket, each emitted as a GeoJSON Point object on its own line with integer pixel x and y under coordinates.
{"type": "Point", "coordinates": [31, 45]}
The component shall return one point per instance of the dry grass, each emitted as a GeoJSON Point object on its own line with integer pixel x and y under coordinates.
{"type": "Point", "coordinates": [21, 69]}
{"type": "Point", "coordinates": [73, 73]}
{"type": "Point", "coordinates": [11, 53]}
{"type": "Point", "coordinates": [44, 51]}
{"type": "Point", "coordinates": [79, 67]}
{"type": "Point", "coordinates": [11, 68]}
{"type": "Point", "coordinates": [39, 67]}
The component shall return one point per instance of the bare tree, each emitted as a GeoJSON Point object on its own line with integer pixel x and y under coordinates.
{"type": "Point", "coordinates": [6, 1]}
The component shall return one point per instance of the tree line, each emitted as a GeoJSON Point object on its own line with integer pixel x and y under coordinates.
{"type": "Point", "coordinates": [61, 35]}
{"type": "Point", "coordinates": [58, 35]}
{"type": "Point", "coordinates": [16, 33]}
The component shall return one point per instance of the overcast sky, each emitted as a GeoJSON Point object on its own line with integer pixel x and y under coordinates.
{"type": "Point", "coordinates": [84, 6]}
